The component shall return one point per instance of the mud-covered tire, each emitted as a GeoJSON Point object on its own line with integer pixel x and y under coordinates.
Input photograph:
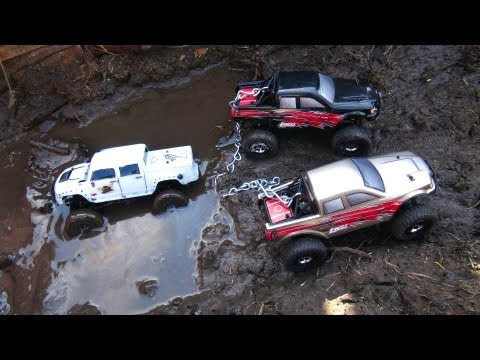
{"type": "Point", "coordinates": [81, 221]}
{"type": "Point", "coordinates": [167, 198]}
{"type": "Point", "coordinates": [351, 140]}
{"type": "Point", "coordinates": [260, 144]}
{"type": "Point", "coordinates": [413, 223]}
{"type": "Point", "coordinates": [304, 254]}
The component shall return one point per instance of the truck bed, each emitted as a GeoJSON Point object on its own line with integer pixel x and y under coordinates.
{"type": "Point", "coordinates": [169, 158]}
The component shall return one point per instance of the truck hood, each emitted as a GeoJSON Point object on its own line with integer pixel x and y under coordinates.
{"type": "Point", "coordinates": [70, 181]}
{"type": "Point", "coordinates": [348, 90]}
{"type": "Point", "coordinates": [403, 172]}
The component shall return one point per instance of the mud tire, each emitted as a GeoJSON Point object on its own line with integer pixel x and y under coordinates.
{"type": "Point", "coordinates": [413, 223]}
{"type": "Point", "coordinates": [81, 221]}
{"type": "Point", "coordinates": [304, 254]}
{"type": "Point", "coordinates": [168, 198]}
{"type": "Point", "coordinates": [351, 141]}
{"type": "Point", "coordinates": [260, 144]}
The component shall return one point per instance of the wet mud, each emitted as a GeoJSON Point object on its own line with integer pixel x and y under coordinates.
{"type": "Point", "coordinates": [211, 257]}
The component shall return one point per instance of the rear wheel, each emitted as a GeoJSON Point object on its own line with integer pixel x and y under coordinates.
{"type": "Point", "coordinates": [260, 144]}
{"type": "Point", "coordinates": [413, 223]}
{"type": "Point", "coordinates": [82, 221]}
{"type": "Point", "coordinates": [168, 198]}
{"type": "Point", "coordinates": [351, 141]}
{"type": "Point", "coordinates": [304, 254]}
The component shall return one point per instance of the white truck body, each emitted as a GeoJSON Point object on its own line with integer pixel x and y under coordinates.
{"type": "Point", "coordinates": [125, 172]}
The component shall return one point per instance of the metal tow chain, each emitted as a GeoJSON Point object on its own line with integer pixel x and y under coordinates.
{"type": "Point", "coordinates": [236, 157]}
{"type": "Point", "coordinates": [264, 186]}
{"type": "Point", "coordinates": [238, 137]}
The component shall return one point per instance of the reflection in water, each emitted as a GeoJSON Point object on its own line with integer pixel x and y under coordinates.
{"type": "Point", "coordinates": [104, 269]}
{"type": "Point", "coordinates": [4, 305]}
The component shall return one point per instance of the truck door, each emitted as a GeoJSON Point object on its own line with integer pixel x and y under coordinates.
{"type": "Point", "coordinates": [104, 185]}
{"type": "Point", "coordinates": [314, 112]}
{"type": "Point", "coordinates": [132, 182]}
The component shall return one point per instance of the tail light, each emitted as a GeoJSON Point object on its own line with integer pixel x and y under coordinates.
{"type": "Point", "coordinates": [269, 235]}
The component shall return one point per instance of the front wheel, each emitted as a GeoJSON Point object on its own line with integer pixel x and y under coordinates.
{"type": "Point", "coordinates": [304, 254]}
{"type": "Point", "coordinates": [168, 198]}
{"type": "Point", "coordinates": [260, 144]}
{"type": "Point", "coordinates": [413, 223]}
{"type": "Point", "coordinates": [351, 141]}
{"type": "Point", "coordinates": [82, 221]}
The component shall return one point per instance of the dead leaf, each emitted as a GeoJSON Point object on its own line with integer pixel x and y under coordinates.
{"type": "Point", "coordinates": [181, 57]}
{"type": "Point", "coordinates": [200, 52]}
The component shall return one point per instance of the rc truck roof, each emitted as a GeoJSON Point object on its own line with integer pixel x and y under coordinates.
{"type": "Point", "coordinates": [392, 174]}
{"type": "Point", "coordinates": [301, 80]}
{"type": "Point", "coordinates": [128, 154]}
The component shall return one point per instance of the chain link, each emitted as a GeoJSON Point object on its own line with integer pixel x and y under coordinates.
{"type": "Point", "coordinates": [238, 137]}
{"type": "Point", "coordinates": [265, 187]}
{"type": "Point", "coordinates": [236, 156]}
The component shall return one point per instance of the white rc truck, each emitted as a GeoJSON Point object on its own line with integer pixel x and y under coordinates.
{"type": "Point", "coordinates": [121, 173]}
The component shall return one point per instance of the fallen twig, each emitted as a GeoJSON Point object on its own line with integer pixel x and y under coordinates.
{"type": "Point", "coordinates": [329, 275]}
{"type": "Point", "coordinates": [474, 206]}
{"type": "Point", "coordinates": [260, 312]}
{"type": "Point", "coordinates": [353, 251]}
{"type": "Point", "coordinates": [393, 267]}
{"type": "Point", "coordinates": [245, 311]}
{"type": "Point", "coordinates": [11, 100]}
{"type": "Point", "coordinates": [440, 265]}
{"type": "Point", "coordinates": [330, 285]}
{"type": "Point", "coordinates": [455, 237]}
{"type": "Point", "coordinates": [50, 148]}
{"type": "Point", "coordinates": [108, 52]}
{"type": "Point", "coordinates": [257, 68]}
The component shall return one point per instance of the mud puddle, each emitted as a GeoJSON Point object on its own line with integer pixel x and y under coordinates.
{"type": "Point", "coordinates": [134, 264]}
{"type": "Point", "coordinates": [195, 114]}
{"type": "Point", "coordinates": [137, 261]}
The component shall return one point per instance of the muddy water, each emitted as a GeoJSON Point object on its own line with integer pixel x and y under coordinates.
{"type": "Point", "coordinates": [195, 114]}
{"type": "Point", "coordinates": [134, 246]}
{"type": "Point", "coordinates": [12, 176]}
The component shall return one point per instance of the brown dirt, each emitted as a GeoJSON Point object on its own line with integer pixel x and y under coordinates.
{"type": "Point", "coordinates": [431, 106]}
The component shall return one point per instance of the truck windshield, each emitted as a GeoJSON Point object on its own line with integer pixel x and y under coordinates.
{"type": "Point", "coordinates": [326, 88]}
{"type": "Point", "coordinates": [371, 176]}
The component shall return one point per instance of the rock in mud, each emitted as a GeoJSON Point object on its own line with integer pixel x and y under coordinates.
{"type": "Point", "coordinates": [5, 260]}
{"type": "Point", "coordinates": [176, 301]}
{"type": "Point", "coordinates": [85, 309]}
{"type": "Point", "coordinates": [215, 231]}
{"type": "Point", "coordinates": [194, 309]}
{"type": "Point", "coordinates": [4, 305]}
{"type": "Point", "coordinates": [147, 287]}
{"type": "Point", "coordinates": [5, 230]}
{"type": "Point", "coordinates": [462, 185]}
{"type": "Point", "coordinates": [46, 208]}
